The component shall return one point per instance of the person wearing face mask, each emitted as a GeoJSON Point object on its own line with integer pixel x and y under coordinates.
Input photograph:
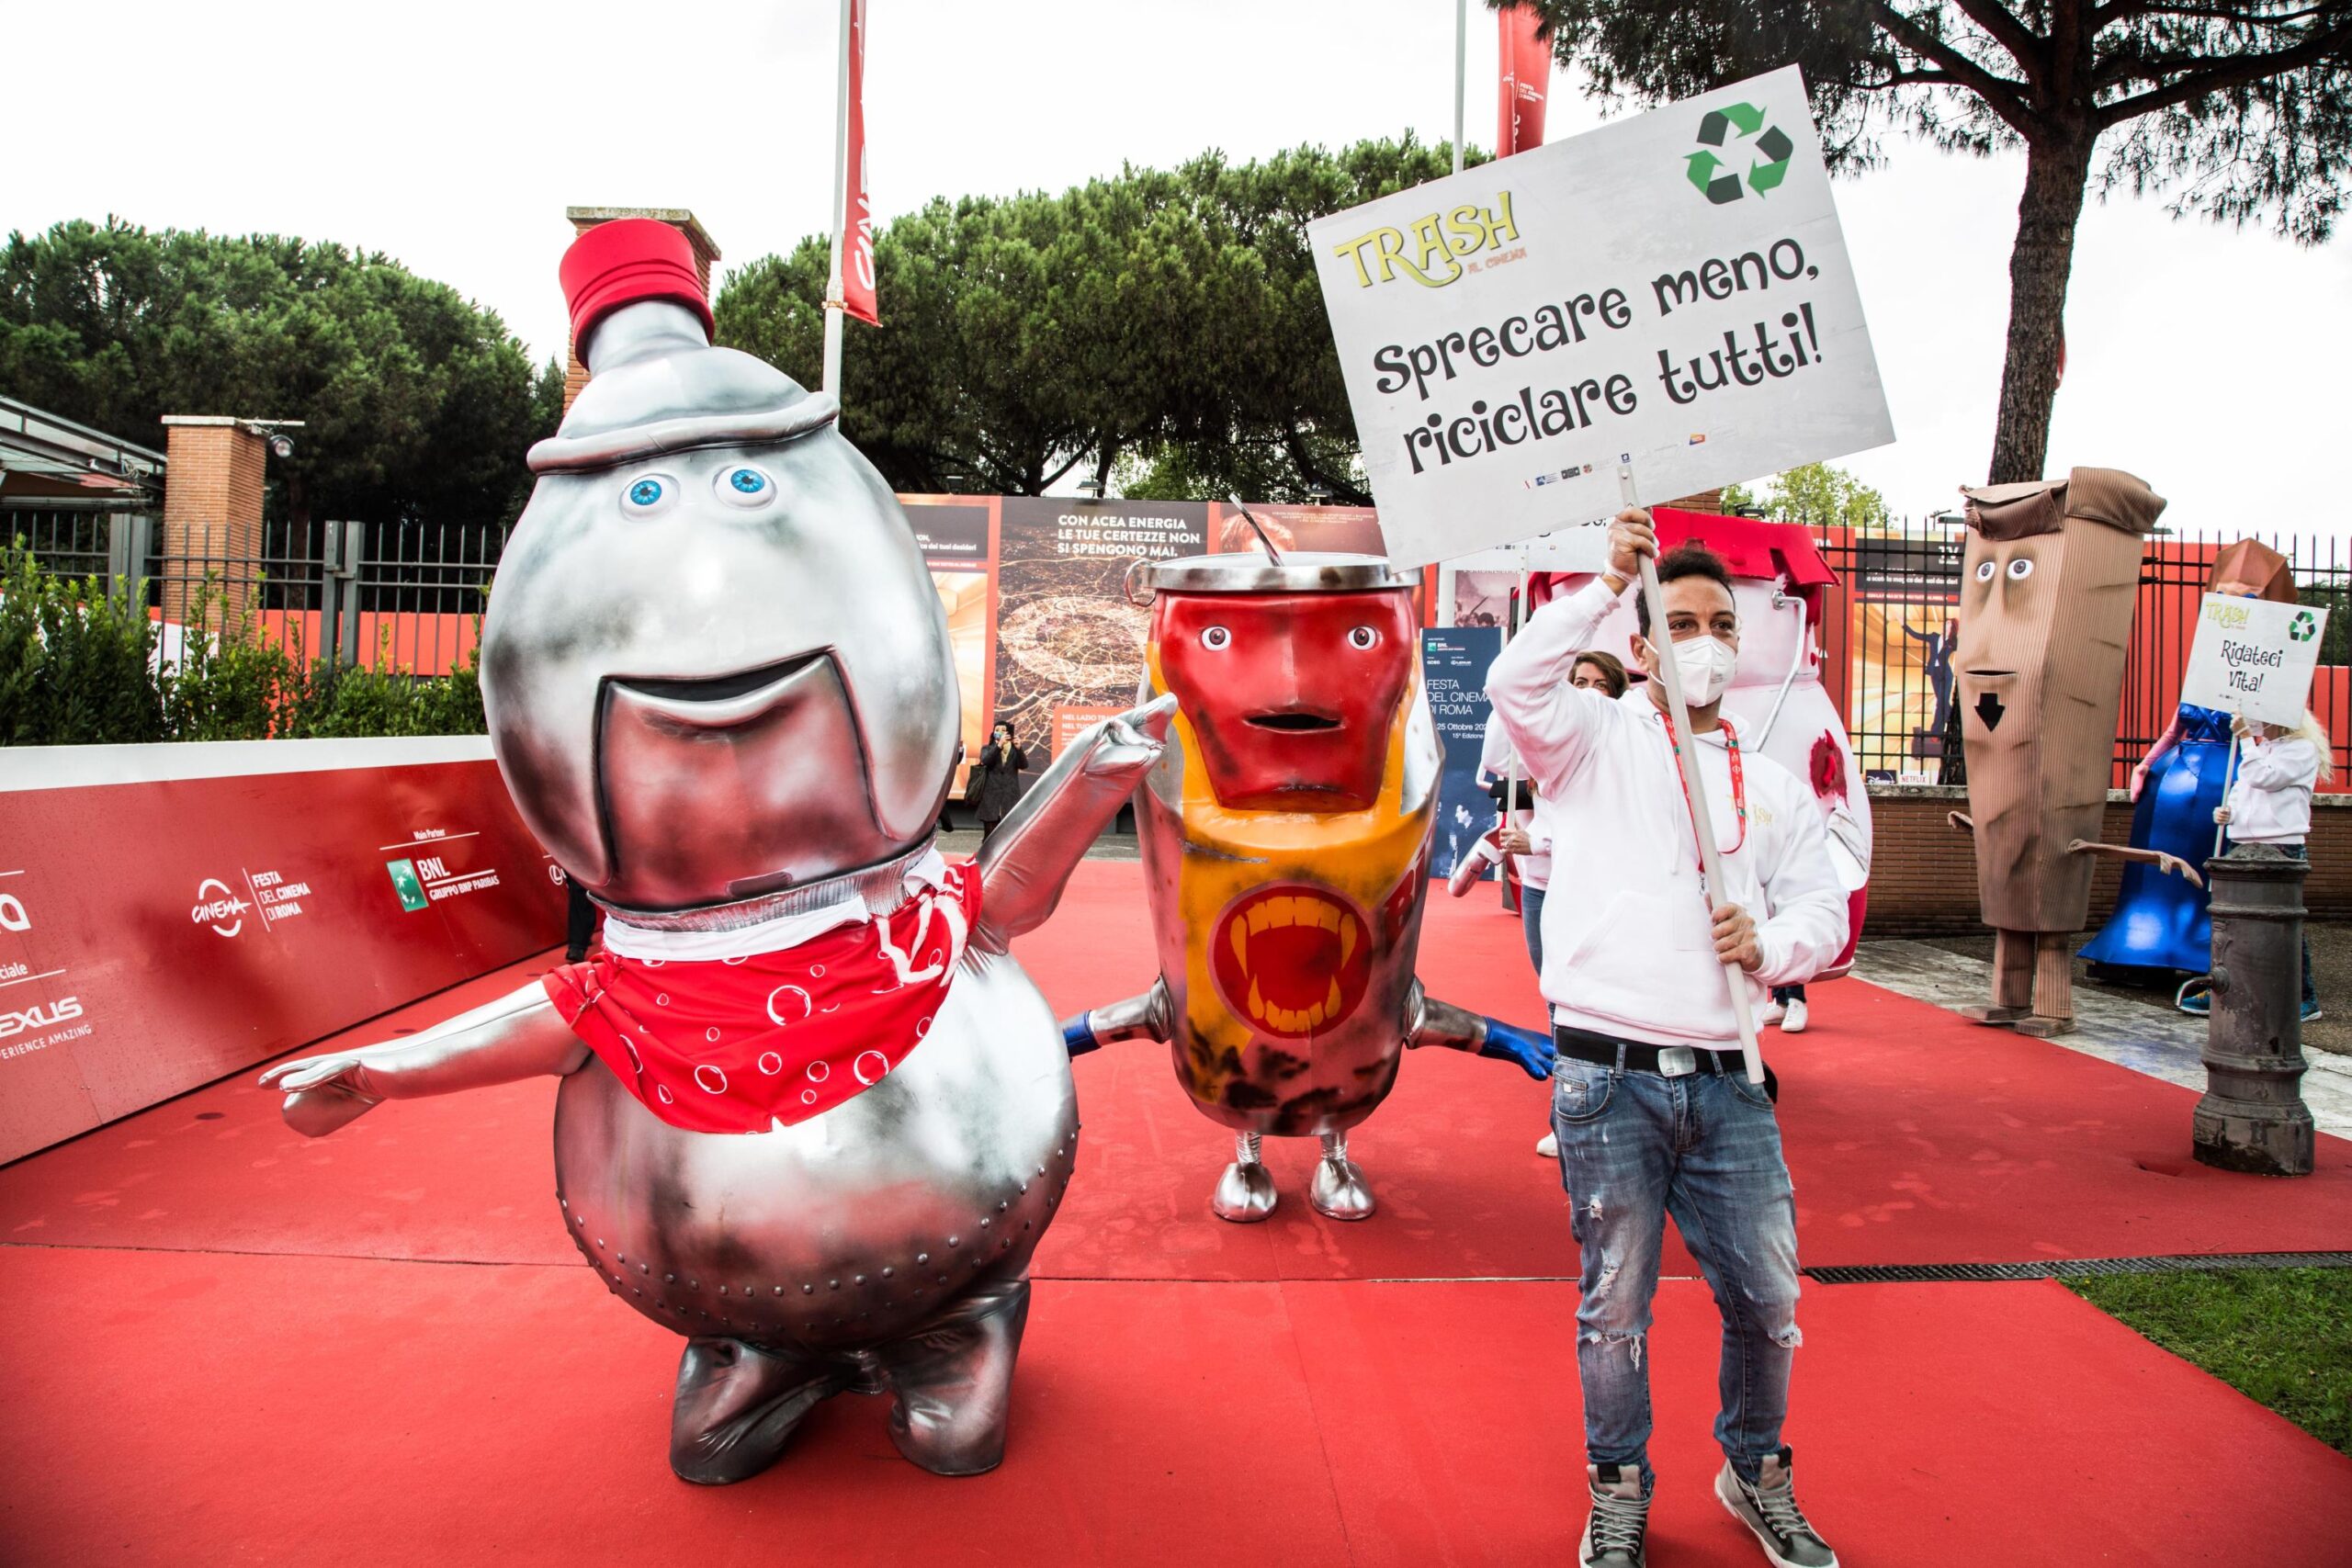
{"type": "Point", "coordinates": [1651, 1105]}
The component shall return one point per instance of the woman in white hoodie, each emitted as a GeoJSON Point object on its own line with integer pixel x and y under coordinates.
{"type": "Point", "coordinates": [2270, 803]}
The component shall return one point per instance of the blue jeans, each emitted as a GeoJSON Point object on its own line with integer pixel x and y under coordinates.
{"type": "Point", "coordinates": [1531, 917]}
{"type": "Point", "coordinates": [1704, 1147]}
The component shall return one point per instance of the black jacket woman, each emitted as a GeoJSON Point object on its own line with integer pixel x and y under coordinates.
{"type": "Point", "coordinates": [1000, 766]}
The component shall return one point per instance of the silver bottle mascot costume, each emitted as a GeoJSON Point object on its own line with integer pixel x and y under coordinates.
{"type": "Point", "coordinates": [813, 1116]}
{"type": "Point", "coordinates": [1285, 844]}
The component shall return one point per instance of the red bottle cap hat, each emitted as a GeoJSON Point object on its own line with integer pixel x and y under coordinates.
{"type": "Point", "coordinates": [625, 260]}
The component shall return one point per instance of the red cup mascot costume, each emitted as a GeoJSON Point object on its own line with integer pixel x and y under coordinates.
{"type": "Point", "coordinates": [1285, 842]}
{"type": "Point", "coordinates": [813, 1117]}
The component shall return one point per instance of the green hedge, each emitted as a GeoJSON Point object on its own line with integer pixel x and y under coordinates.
{"type": "Point", "coordinates": [79, 667]}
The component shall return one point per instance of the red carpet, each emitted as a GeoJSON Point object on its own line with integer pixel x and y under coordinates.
{"type": "Point", "coordinates": [223, 1346]}
{"type": "Point", "coordinates": [1914, 1137]}
{"type": "Point", "coordinates": [198, 1408]}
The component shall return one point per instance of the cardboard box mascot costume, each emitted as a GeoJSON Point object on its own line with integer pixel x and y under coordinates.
{"type": "Point", "coordinates": [2048, 587]}
{"type": "Point", "coordinates": [813, 1117]}
{"type": "Point", "coordinates": [1286, 836]}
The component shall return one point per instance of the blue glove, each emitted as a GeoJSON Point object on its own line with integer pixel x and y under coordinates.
{"type": "Point", "coordinates": [1507, 1043]}
{"type": "Point", "coordinates": [1078, 1035]}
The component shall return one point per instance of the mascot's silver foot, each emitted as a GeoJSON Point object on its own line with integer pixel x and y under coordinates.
{"type": "Point", "coordinates": [1341, 1191]}
{"type": "Point", "coordinates": [737, 1407]}
{"type": "Point", "coordinates": [953, 1380]}
{"type": "Point", "coordinates": [1245, 1193]}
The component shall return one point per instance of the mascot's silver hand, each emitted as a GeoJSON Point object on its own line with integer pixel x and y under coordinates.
{"type": "Point", "coordinates": [323, 1092]}
{"type": "Point", "coordinates": [520, 1035]}
{"type": "Point", "coordinates": [1027, 859]}
{"type": "Point", "coordinates": [1129, 743]}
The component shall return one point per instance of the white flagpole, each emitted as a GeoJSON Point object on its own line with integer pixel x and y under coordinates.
{"type": "Point", "coordinates": [833, 312]}
{"type": "Point", "coordinates": [1694, 783]}
{"type": "Point", "coordinates": [1461, 72]}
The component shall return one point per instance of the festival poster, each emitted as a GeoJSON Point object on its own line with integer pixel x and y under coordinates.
{"type": "Point", "coordinates": [956, 537]}
{"type": "Point", "coordinates": [1904, 595]}
{"type": "Point", "coordinates": [1455, 660]}
{"type": "Point", "coordinates": [1067, 635]}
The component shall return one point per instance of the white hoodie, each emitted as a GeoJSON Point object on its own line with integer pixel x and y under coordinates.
{"type": "Point", "coordinates": [1628, 937]}
{"type": "Point", "coordinates": [2270, 800]}
{"type": "Point", "coordinates": [1496, 759]}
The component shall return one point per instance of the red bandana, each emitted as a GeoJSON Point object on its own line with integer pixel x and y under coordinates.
{"type": "Point", "coordinates": [737, 1045]}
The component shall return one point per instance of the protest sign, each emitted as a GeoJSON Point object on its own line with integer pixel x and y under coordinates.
{"type": "Point", "coordinates": [2254, 658]}
{"type": "Point", "coordinates": [1669, 292]}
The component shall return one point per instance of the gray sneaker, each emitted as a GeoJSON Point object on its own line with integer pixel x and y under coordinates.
{"type": "Point", "coordinates": [1769, 1509]}
{"type": "Point", "coordinates": [1621, 1517]}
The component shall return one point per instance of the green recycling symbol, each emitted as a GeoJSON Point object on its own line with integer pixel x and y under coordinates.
{"type": "Point", "coordinates": [1762, 175]}
{"type": "Point", "coordinates": [2303, 627]}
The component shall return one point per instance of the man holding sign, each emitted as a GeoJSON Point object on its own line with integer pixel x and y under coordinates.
{"type": "Point", "coordinates": [1651, 1106]}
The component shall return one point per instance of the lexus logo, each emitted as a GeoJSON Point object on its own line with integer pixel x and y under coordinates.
{"type": "Point", "coordinates": [217, 903]}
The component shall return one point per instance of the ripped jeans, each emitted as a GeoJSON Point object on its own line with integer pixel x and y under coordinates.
{"type": "Point", "coordinates": [1704, 1147]}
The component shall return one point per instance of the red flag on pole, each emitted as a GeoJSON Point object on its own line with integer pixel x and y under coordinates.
{"type": "Point", "coordinates": [1525, 68]}
{"type": "Point", "coordinates": [856, 216]}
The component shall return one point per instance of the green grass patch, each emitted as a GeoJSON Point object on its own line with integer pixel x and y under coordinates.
{"type": "Point", "coordinates": [2279, 1336]}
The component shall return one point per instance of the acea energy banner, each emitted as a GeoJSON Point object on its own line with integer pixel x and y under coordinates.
{"type": "Point", "coordinates": [1669, 294]}
{"type": "Point", "coordinates": [1069, 640]}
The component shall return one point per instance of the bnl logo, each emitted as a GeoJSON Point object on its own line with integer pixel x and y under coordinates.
{"type": "Point", "coordinates": [406, 884]}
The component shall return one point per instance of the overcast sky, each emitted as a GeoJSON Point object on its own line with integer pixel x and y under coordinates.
{"type": "Point", "coordinates": [2209, 361]}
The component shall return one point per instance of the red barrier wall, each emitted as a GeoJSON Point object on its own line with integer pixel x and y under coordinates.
{"type": "Point", "coordinates": [169, 914]}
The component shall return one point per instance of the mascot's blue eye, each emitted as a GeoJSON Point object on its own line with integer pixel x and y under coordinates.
{"type": "Point", "coordinates": [645, 492]}
{"type": "Point", "coordinates": [745, 487]}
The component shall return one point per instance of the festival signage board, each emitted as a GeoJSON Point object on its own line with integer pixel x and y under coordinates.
{"type": "Point", "coordinates": [172, 913]}
{"type": "Point", "coordinates": [2254, 658]}
{"type": "Point", "coordinates": [1455, 660]}
{"type": "Point", "coordinates": [1669, 294]}
{"type": "Point", "coordinates": [957, 537]}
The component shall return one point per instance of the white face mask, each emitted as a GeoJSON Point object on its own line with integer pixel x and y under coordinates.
{"type": "Point", "coordinates": [1706, 663]}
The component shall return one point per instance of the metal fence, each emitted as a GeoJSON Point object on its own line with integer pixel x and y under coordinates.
{"type": "Point", "coordinates": [404, 598]}
{"type": "Point", "coordinates": [1888, 631]}
{"type": "Point", "coordinates": [409, 597]}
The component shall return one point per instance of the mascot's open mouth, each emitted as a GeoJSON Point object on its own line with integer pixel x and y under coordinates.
{"type": "Point", "coordinates": [720, 701]}
{"type": "Point", "coordinates": [1989, 707]}
{"type": "Point", "coordinates": [1295, 721]}
{"type": "Point", "coordinates": [1293, 959]}
{"type": "Point", "coordinates": [728, 787]}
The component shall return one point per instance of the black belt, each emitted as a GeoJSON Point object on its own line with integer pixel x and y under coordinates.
{"type": "Point", "coordinates": [1603, 1051]}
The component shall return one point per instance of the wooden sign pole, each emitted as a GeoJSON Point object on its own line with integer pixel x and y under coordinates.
{"type": "Point", "coordinates": [1694, 783]}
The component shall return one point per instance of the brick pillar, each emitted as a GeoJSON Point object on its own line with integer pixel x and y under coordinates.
{"type": "Point", "coordinates": [575, 373]}
{"type": "Point", "coordinates": [212, 492]}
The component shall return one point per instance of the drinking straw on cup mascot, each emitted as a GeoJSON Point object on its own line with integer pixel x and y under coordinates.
{"type": "Point", "coordinates": [2047, 589]}
{"type": "Point", "coordinates": [813, 1116]}
{"type": "Point", "coordinates": [1285, 835]}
